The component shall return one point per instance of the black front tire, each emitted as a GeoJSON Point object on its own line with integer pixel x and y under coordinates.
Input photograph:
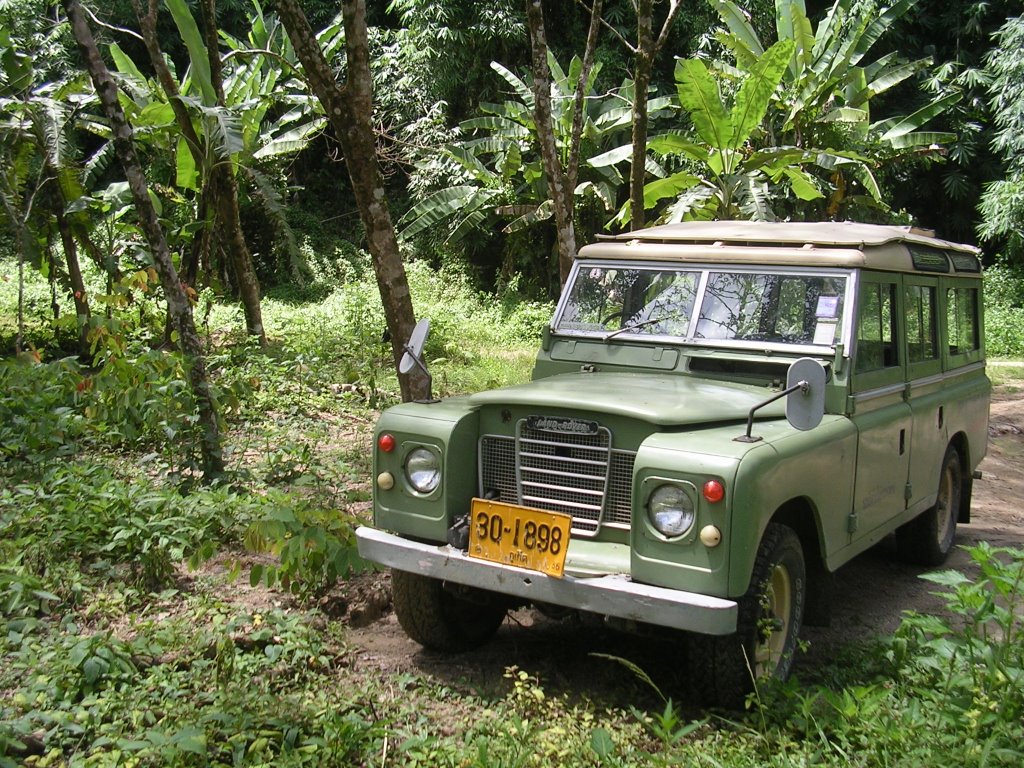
{"type": "Point", "coordinates": [928, 538]}
{"type": "Point", "coordinates": [770, 616]}
{"type": "Point", "coordinates": [440, 620]}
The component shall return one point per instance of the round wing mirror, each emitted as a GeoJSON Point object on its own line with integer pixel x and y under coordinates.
{"type": "Point", "coordinates": [414, 349]}
{"type": "Point", "coordinates": [805, 405]}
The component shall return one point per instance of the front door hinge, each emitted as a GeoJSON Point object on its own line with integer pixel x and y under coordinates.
{"type": "Point", "coordinates": [851, 523]}
{"type": "Point", "coordinates": [908, 492]}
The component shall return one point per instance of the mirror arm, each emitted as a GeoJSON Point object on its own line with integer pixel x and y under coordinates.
{"type": "Point", "coordinates": [420, 364]}
{"type": "Point", "coordinates": [803, 386]}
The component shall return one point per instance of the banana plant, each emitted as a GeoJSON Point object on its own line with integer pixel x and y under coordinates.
{"type": "Point", "coordinates": [496, 172]}
{"type": "Point", "coordinates": [724, 176]}
{"type": "Point", "coordinates": [829, 80]}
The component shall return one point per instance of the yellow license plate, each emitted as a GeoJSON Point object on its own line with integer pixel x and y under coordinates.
{"type": "Point", "coordinates": [520, 536]}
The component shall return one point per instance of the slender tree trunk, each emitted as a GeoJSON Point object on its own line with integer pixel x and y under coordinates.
{"type": "Point", "coordinates": [222, 186]}
{"type": "Point", "coordinates": [647, 47]}
{"type": "Point", "coordinates": [78, 292]}
{"type": "Point", "coordinates": [558, 184]}
{"type": "Point", "coordinates": [349, 109]}
{"type": "Point", "coordinates": [580, 96]}
{"type": "Point", "coordinates": [177, 302]}
{"type": "Point", "coordinates": [641, 81]}
{"type": "Point", "coordinates": [226, 195]}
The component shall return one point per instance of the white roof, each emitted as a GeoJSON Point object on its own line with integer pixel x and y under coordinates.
{"type": "Point", "coordinates": [835, 244]}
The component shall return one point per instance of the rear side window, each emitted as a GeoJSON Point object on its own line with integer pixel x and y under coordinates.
{"type": "Point", "coordinates": [962, 320]}
{"type": "Point", "coordinates": [922, 331]}
{"type": "Point", "coordinates": [876, 327]}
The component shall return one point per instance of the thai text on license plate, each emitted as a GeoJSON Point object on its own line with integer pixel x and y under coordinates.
{"type": "Point", "coordinates": [520, 536]}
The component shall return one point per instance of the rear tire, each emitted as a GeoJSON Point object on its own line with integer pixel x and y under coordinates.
{"type": "Point", "coordinates": [770, 615]}
{"type": "Point", "coordinates": [928, 538]}
{"type": "Point", "coordinates": [439, 620]}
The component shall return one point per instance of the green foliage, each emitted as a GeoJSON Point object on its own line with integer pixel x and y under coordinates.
{"type": "Point", "coordinates": [814, 148]}
{"type": "Point", "coordinates": [1002, 205]}
{"type": "Point", "coordinates": [1004, 311]}
{"type": "Point", "coordinates": [314, 548]}
{"type": "Point", "coordinates": [134, 529]}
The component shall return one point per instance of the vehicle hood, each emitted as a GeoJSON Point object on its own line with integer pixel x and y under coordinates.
{"type": "Point", "coordinates": [665, 400]}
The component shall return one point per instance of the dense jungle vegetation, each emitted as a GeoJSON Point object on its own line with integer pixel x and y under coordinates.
{"type": "Point", "coordinates": [172, 578]}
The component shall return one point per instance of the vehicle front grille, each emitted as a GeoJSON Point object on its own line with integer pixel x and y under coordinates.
{"type": "Point", "coordinates": [580, 475]}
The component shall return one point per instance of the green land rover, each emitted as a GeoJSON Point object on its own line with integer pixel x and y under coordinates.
{"type": "Point", "coordinates": [721, 414]}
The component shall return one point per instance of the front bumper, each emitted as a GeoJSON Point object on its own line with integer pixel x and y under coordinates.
{"type": "Point", "coordinates": [613, 595]}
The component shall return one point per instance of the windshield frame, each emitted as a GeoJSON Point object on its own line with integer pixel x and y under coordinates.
{"type": "Point", "coordinates": [704, 271]}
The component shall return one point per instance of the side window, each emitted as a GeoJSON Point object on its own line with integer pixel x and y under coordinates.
{"type": "Point", "coordinates": [919, 304]}
{"type": "Point", "coordinates": [876, 327]}
{"type": "Point", "coordinates": [962, 320]}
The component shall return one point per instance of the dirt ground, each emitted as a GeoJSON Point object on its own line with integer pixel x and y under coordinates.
{"type": "Point", "coordinates": [870, 595]}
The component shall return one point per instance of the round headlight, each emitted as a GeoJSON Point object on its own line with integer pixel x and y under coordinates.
{"type": "Point", "coordinates": [670, 510]}
{"type": "Point", "coordinates": [423, 470]}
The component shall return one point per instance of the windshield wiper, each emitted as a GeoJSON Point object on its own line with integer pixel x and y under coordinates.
{"type": "Point", "coordinates": [638, 325]}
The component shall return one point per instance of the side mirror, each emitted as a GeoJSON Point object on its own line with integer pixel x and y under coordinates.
{"type": "Point", "coordinates": [413, 357]}
{"type": "Point", "coordinates": [805, 393]}
{"type": "Point", "coordinates": [805, 404]}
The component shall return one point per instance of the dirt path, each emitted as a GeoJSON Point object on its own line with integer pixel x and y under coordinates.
{"type": "Point", "coordinates": [870, 595]}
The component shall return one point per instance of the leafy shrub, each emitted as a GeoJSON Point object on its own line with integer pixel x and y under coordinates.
{"type": "Point", "coordinates": [314, 547]}
{"type": "Point", "coordinates": [87, 514]}
{"type": "Point", "coordinates": [1004, 311]}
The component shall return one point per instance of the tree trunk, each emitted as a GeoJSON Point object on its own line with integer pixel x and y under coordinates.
{"type": "Point", "coordinates": [558, 185]}
{"type": "Point", "coordinates": [226, 195]}
{"type": "Point", "coordinates": [580, 96]}
{"type": "Point", "coordinates": [641, 81]}
{"type": "Point", "coordinates": [178, 306]}
{"type": "Point", "coordinates": [67, 239]}
{"type": "Point", "coordinates": [646, 50]}
{"type": "Point", "coordinates": [223, 186]}
{"type": "Point", "coordinates": [349, 109]}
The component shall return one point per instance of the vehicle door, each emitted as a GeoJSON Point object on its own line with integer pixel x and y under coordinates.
{"type": "Point", "coordinates": [926, 388]}
{"type": "Point", "coordinates": [879, 408]}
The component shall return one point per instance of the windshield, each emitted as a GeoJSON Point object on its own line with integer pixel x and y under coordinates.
{"type": "Point", "coordinates": [615, 301]}
{"type": "Point", "coordinates": [649, 301]}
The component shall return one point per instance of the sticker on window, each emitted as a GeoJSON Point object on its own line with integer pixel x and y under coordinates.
{"type": "Point", "coordinates": [824, 332]}
{"type": "Point", "coordinates": [828, 306]}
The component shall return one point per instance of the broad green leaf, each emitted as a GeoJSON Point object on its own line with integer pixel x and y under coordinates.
{"type": "Point", "coordinates": [745, 58]}
{"type": "Point", "coordinates": [612, 156]}
{"type": "Point", "coordinates": [291, 141]}
{"type": "Point", "coordinates": [756, 92]}
{"type": "Point", "coordinates": [880, 25]}
{"type": "Point", "coordinates": [738, 22]}
{"type": "Point", "coordinates": [512, 161]}
{"type": "Point", "coordinates": [190, 34]}
{"type": "Point", "coordinates": [124, 64]}
{"type": "Point", "coordinates": [186, 176]}
{"type": "Point", "coordinates": [889, 77]}
{"type": "Point", "coordinates": [698, 93]}
{"type": "Point", "coordinates": [523, 91]}
{"type": "Point", "coordinates": [915, 120]}
{"type": "Point", "coordinates": [669, 187]}
{"type": "Point", "coordinates": [803, 184]}
{"type": "Point", "coordinates": [438, 208]}
{"type": "Point", "coordinates": [845, 115]}
{"type": "Point", "coordinates": [472, 163]}
{"type": "Point", "coordinates": [676, 144]}
{"type": "Point", "coordinates": [501, 125]}
{"type": "Point", "coordinates": [918, 139]}
{"type": "Point", "coordinates": [154, 115]}
{"type": "Point", "coordinates": [542, 212]}
{"type": "Point", "coordinates": [155, 200]}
